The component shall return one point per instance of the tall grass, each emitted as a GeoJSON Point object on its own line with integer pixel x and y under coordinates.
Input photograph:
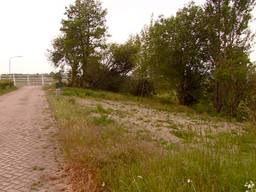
{"type": "Point", "coordinates": [106, 157]}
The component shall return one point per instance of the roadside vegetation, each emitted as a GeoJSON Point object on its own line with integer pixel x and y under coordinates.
{"type": "Point", "coordinates": [167, 101]}
{"type": "Point", "coordinates": [6, 86]}
{"type": "Point", "coordinates": [105, 155]}
{"type": "Point", "coordinates": [201, 55]}
{"type": "Point", "coordinates": [171, 109]}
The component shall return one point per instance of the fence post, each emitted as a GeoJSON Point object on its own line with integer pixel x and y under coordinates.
{"type": "Point", "coordinates": [28, 80]}
{"type": "Point", "coordinates": [14, 80]}
{"type": "Point", "coordinates": [42, 80]}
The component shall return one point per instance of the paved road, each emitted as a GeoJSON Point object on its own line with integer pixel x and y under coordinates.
{"type": "Point", "coordinates": [29, 159]}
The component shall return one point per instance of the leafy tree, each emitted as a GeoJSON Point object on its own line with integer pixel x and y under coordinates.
{"type": "Point", "coordinates": [179, 52]}
{"type": "Point", "coordinates": [82, 40]}
{"type": "Point", "coordinates": [118, 63]}
{"type": "Point", "coordinates": [202, 52]}
{"type": "Point", "coordinates": [233, 75]}
{"type": "Point", "coordinates": [63, 56]}
{"type": "Point", "coordinates": [144, 69]}
{"type": "Point", "coordinates": [229, 40]}
{"type": "Point", "coordinates": [124, 57]}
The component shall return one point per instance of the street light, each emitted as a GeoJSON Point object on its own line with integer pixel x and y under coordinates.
{"type": "Point", "coordinates": [10, 62]}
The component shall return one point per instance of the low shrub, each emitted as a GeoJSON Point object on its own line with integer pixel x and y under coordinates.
{"type": "Point", "coordinates": [243, 111]}
{"type": "Point", "coordinates": [247, 110]}
{"type": "Point", "coordinates": [169, 98]}
{"type": "Point", "coordinates": [204, 106]}
{"type": "Point", "coordinates": [252, 110]}
{"type": "Point", "coordinates": [6, 84]}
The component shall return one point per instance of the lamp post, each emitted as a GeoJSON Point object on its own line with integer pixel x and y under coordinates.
{"type": "Point", "coordinates": [10, 62]}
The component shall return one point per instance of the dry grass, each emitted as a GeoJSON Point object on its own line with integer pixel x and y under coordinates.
{"type": "Point", "coordinates": [104, 156]}
{"type": "Point", "coordinates": [92, 145]}
{"type": "Point", "coordinates": [83, 179]}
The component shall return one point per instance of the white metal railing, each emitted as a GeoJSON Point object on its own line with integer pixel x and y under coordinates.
{"type": "Point", "coordinates": [29, 79]}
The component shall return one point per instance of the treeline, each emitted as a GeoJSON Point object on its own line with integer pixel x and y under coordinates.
{"type": "Point", "coordinates": [202, 54]}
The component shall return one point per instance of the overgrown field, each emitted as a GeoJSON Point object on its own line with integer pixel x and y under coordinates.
{"type": "Point", "coordinates": [106, 153]}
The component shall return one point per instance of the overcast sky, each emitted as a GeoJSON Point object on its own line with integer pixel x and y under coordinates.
{"type": "Point", "coordinates": [29, 26]}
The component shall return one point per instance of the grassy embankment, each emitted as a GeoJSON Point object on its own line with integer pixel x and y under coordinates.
{"type": "Point", "coordinates": [104, 156]}
{"type": "Point", "coordinates": [6, 87]}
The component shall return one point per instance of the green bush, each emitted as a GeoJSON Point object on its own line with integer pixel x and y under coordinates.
{"type": "Point", "coordinates": [4, 84]}
{"type": "Point", "coordinates": [243, 112]}
{"type": "Point", "coordinates": [204, 106]}
{"type": "Point", "coordinates": [168, 98]}
{"type": "Point", "coordinates": [247, 110]}
{"type": "Point", "coordinates": [252, 110]}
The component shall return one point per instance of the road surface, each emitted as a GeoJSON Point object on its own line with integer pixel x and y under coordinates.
{"type": "Point", "coordinates": [29, 155]}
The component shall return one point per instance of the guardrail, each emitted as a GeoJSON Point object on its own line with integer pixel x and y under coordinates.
{"type": "Point", "coordinates": [29, 79]}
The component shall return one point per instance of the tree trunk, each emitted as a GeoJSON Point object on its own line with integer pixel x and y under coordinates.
{"type": "Point", "coordinates": [74, 75]}
{"type": "Point", "coordinates": [217, 98]}
{"type": "Point", "coordinates": [181, 94]}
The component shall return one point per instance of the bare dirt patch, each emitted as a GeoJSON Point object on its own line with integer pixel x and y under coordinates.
{"type": "Point", "coordinates": [161, 125]}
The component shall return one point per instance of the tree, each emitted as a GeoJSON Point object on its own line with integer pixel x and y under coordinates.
{"type": "Point", "coordinates": [232, 77]}
{"type": "Point", "coordinates": [229, 40]}
{"type": "Point", "coordinates": [63, 56]}
{"type": "Point", "coordinates": [179, 52]}
{"type": "Point", "coordinates": [82, 40]}
{"type": "Point", "coordinates": [118, 63]}
{"type": "Point", "coordinates": [124, 57]}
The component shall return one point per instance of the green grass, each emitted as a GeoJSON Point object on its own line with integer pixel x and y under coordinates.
{"type": "Point", "coordinates": [163, 102]}
{"type": "Point", "coordinates": [122, 162]}
{"type": "Point", "coordinates": [102, 120]}
{"type": "Point", "coordinates": [7, 90]}
{"type": "Point", "coordinates": [187, 136]}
